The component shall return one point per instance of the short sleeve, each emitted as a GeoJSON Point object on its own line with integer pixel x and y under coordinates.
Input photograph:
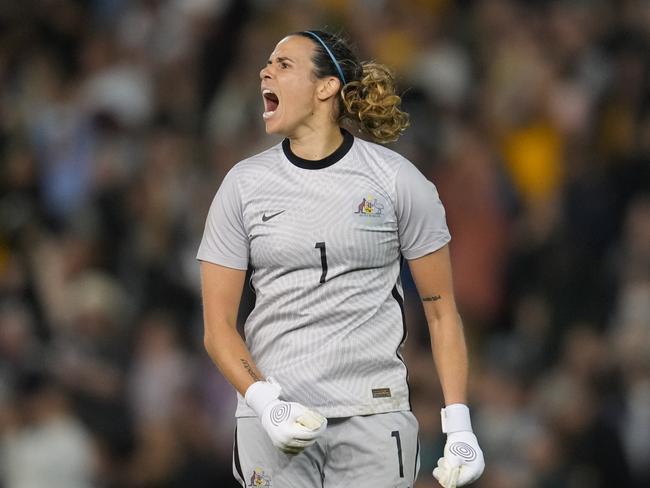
{"type": "Point", "coordinates": [225, 240]}
{"type": "Point", "coordinates": [420, 215]}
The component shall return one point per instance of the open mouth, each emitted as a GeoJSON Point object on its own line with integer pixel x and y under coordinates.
{"type": "Point", "coordinates": [271, 103]}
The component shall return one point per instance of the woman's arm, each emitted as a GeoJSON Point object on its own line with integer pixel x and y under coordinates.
{"type": "Point", "coordinates": [221, 291]}
{"type": "Point", "coordinates": [462, 461]}
{"type": "Point", "coordinates": [222, 288]}
{"type": "Point", "coordinates": [432, 276]}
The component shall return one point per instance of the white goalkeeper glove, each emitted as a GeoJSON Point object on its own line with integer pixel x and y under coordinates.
{"type": "Point", "coordinates": [462, 462]}
{"type": "Point", "coordinates": [291, 426]}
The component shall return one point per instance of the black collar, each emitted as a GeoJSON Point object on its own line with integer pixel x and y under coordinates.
{"type": "Point", "coordinates": [337, 155]}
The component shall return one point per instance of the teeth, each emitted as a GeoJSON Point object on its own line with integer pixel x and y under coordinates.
{"type": "Point", "coordinates": [269, 113]}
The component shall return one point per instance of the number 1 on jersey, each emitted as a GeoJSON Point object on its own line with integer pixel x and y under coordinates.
{"type": "Point", "coordinates": [323, 260]}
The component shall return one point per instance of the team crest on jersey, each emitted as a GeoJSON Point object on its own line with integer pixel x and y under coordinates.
{"type": "Point", "coordinates": [369, 206]}
{"type": "Point", "coordinates": [259, 478]}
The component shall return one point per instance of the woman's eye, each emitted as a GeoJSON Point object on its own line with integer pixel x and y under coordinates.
{"type": "Point", "coordinates": [284, 65]}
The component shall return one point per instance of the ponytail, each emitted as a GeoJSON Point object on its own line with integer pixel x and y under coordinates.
{"type": "Point", "coordinates": [368, 99]}
{"type": "Point", "coordinates": [373, 104]}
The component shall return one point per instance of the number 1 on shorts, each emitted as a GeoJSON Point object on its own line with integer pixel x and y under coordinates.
{"type": "Point", "coordinates": [395, 434]}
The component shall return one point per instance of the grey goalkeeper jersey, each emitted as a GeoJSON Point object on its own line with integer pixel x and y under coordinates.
{"type": "Point", "coordinates": [324, 240]}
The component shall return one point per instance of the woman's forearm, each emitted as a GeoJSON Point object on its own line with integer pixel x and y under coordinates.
{"type": "Point", "coordinates": [450, 356]}
{"type": "Point", "coordinates": [231, 355]}
{"type": "Point", "coordinates": [221, 289]}
{"type": "Point", "coordinates": [432, 275]}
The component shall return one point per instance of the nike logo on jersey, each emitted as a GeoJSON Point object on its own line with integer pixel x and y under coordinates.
{"type": "Point", "coordinates": [269, 217]}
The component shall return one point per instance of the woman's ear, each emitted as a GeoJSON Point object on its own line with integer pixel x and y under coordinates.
{"type": "Point", "coordinates": [327, 88]}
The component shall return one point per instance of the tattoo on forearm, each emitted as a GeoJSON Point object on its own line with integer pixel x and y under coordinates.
{"type": "Point", "coordinates": [431, 299]}
{"type": "Point", "coordinates": [248, 368]}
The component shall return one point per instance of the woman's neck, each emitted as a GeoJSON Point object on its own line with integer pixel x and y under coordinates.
{"type": "Point", "coordinates": [315, 145]}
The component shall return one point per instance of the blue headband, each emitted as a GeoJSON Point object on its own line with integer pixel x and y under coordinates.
{"type": "Point", "coordinates": [336, 63]}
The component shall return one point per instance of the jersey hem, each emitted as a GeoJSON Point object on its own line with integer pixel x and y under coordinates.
{"type": "Point", "coordinates": [213, 258]}
{"type": "Point", "coordinates": [243, 411]}
{"type": "Point", "coordinates": [424, 250]}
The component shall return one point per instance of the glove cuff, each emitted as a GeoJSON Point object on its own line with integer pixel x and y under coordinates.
{"type": "Point", "coordinates": [261, 393]}
{"type": "Point", "coordinates": [455, 418]}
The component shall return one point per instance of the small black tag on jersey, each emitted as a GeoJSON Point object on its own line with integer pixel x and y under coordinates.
{"type": "Point", "coordinates": [381, 393]}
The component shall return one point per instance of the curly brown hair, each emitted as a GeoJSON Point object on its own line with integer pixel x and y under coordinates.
{"type": "Point", "coordinates": [369, 97]}
{"type": "Point", "coordinates": [373, 102]}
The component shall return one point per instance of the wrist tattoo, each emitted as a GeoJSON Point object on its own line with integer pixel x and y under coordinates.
{"type": "Point", "coordinates": [248, 368]}
{"type": "Point", "coordinates": [431, 299]}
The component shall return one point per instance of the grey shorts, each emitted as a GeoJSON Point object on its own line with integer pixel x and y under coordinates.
{"type": "Point", "coordinates": [380, 450]}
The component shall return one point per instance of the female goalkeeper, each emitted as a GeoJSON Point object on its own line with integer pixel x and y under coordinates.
{"type": "Point", "coordinates": [324, 220]}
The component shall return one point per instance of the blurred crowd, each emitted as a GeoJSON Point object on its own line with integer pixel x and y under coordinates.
{"type": "Point", "coordinates": [119, 119]}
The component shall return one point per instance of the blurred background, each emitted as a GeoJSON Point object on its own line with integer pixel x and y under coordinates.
{"type": "Point", "coordinates": [118, 121]}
